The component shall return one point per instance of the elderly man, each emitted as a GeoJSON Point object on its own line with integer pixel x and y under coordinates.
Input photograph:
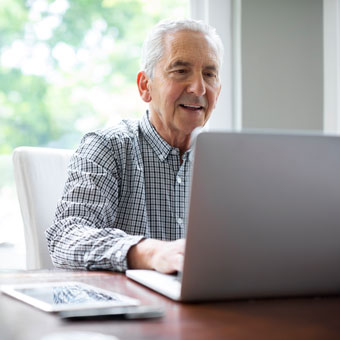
{"type": "Point", "coordinates": [124, 202]}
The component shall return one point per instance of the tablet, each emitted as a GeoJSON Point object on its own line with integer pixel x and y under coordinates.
{"type": "Point", "coordinates": [66, 296]}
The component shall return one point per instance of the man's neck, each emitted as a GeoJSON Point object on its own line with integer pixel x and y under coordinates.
{"type": "Point", "coordinates": [176, 139]}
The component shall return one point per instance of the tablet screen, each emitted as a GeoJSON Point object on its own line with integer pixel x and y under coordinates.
{"type": "Point", "coordinates": [58, 296]}
{"type": "Point", "coordinates": [66, 294]}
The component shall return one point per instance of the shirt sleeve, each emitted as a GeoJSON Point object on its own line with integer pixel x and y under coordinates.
{"type": "Point", "coordinates": [84, 234]}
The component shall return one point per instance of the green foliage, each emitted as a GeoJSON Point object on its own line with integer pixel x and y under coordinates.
{"type": "Point", "coordinates": [115, 14]}
{"type": "Point", "coordinates": [24, 117]}
{"type": "Point", "coordinates": [85, 58]}
{"type": "Point", "coordinates": [13, 17]}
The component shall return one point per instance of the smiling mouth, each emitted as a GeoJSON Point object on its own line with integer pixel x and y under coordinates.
{"type": "Point", "coordinates": [192, 107]}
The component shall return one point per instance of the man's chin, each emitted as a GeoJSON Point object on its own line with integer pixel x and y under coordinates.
{"type": "Point", "coordinates": [189, 127]}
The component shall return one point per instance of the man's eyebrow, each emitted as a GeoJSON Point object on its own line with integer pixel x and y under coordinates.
{"type": "Point", "coordinates": [179, 63]}
{"type": "Point", "coordinates": [211, 68]}
{"type": "Point", "coordinates": [183, 63]}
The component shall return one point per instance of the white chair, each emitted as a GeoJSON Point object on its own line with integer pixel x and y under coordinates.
{"type": "Point", "coordinates": [40, 175]}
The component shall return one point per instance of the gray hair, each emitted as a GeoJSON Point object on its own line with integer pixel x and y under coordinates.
{"type": "Point", "coordinates": [152, 50]}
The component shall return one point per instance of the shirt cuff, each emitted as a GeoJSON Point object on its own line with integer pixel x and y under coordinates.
{"type": "Point", "coordinates": [119, 258]}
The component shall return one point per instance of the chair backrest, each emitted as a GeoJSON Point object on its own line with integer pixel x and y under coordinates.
{"type": "Point", "coordinates": [40, 175]}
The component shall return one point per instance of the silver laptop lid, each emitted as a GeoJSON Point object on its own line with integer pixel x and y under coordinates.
{"type": "Point", "coordinates": [264, 217]}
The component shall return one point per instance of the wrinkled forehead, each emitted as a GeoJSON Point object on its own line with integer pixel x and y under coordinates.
{"type": "Point", "coordinates": [190, 46]}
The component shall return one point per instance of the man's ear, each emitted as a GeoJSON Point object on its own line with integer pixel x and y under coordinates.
{"type": "Point", "coordinates": [143, 86]}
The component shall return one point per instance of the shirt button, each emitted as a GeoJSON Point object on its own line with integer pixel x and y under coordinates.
{"type": "Point", "coordinates": [179, 220]}
{"type": "Point", "coordinates": [118, 255]}
{"type": "Point", "coordinates": [179, 180]}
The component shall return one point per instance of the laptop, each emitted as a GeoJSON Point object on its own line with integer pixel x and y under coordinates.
{"type": "Point", "coordinates": [263, 219]}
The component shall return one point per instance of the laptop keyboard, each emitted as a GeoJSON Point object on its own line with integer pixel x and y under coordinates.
{"type": "Point", "coordinates": [167, 284]}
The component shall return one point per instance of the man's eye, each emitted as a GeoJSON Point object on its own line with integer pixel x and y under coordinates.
{"type": "Point", "coordinates": [181, 71]}
{"type": "Point", "coordinates": [210, 74]}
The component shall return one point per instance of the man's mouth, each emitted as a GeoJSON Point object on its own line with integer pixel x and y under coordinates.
{"type": "Point", "coordinates": [192, 107]}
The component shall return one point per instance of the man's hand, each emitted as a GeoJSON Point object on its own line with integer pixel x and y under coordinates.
{"type": "Point", "coordinates": [163, 256]}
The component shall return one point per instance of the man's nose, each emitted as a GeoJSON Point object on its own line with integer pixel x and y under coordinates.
{"type": "Point", "coordinates": [196, 86]}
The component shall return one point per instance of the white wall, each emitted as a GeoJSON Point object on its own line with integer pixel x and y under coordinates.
{"type": "Point", "coordinates": [282, 64]}
{"type": "Point", "coordinates": [331, 19]}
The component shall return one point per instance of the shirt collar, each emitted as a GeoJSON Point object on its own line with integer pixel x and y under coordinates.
{"type": "Point", "coordinates": [157, 143]}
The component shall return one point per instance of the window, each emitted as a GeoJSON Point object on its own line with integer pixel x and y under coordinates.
{"type": "Point", "coordinates": [67, 67]}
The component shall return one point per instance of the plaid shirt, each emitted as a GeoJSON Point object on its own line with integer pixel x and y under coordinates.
{"type": "Point", "coordinates": [124, 184]}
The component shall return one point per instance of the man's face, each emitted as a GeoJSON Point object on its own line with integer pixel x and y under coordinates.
{"type": "Point", "coordinates": [185, 85]}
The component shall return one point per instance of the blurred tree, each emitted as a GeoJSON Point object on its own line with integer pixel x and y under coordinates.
{"type": "Point", "coordinates": [67, 66]}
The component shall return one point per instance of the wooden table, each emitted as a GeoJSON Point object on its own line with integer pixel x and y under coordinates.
{"type": "Point", "coordinates": [298, 318]}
